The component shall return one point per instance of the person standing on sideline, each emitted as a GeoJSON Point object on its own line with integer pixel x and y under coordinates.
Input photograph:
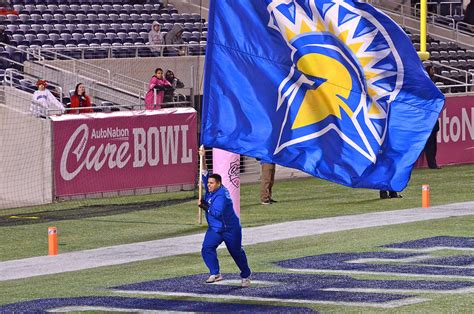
{"type": "Point", "coordinates": [431, 144]}
{"type": "Point", "coordinates": [44, 101]}
{"type": "Point", "coordinates": [223, 226]}
{"type": "Point", "coordinates": [389, 194]}
{"type": "Point", "coordinates": [266, 182]}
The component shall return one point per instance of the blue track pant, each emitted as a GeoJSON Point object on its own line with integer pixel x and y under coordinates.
{"type": "Point", "coordinates": [233, 241]}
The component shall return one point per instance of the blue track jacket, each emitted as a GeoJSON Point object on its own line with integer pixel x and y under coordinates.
{"type": "Point", "coordinates": [220, 214]}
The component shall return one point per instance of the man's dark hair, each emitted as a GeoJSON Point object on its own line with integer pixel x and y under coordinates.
{"type": "Point", "coordinates": [216, 177]}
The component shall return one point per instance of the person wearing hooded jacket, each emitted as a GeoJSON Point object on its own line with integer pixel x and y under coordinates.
{"type": "Point", "coordinates": [155, 37]}
{"type": "Point", "coordinates": [223, 226]}
{"type": "Point", "coordinates": [175, 37]}
{"type": "Point", "coordinates": [175, 83]}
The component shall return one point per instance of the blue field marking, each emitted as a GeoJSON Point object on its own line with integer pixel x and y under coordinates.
{"type": "Point", "coordinates": [457, 260]}
{"type": "Point", "coordinates": [124, 304]}
{"type": "Point", "coordinates": [296, 286]}
{"type": "Point", "coordinates": [348, 262]}
{"type": "Point", "coordinates": [285, 286]}
{"type": "Point", "coordinates": [436, 242]}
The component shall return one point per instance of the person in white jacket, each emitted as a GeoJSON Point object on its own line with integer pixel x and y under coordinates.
{"type": "Point", "coordinates": [43, 101]}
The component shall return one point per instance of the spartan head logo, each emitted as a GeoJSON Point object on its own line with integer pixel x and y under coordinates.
{"type": "Point", "coordinates": [345, 73]}
{"type": "Point", "coordinates": [234, 173]}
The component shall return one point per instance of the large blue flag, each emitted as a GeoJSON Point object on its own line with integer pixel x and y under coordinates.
{"type": "Point", "coordinates": [333, 88]}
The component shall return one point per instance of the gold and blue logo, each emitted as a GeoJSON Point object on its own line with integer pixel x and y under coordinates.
{"type": "Point", "coordinates": [345, 73]}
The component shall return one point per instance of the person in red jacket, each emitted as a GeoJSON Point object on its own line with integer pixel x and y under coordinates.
{"type": "Point", "coordinates": [81, 100]}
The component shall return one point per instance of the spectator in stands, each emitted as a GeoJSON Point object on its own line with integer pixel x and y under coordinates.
{"type": "Point", "coordinates": [175, 83]}
{"type": "Point", "coordinates": [156, 90]}
{"type": "Point", "coordinates": [469, 13]}
{"type": "Point", "coordinates": [4, 38]}
{"type": "Point", "coordinates": [175, 37]}
{"type": "Point", "coordinates": [431, 143]}
{"type": "Point", "coordinates": [44, 101]}
{"type": "Point", "coordinates": [223, 226]}
{"type": "Point", "coordinates": [81, 100]}
{"type": "Point", "coordinates": [155, 37]}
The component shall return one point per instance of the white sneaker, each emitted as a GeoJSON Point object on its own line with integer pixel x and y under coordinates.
{"type": "Point", "coordinates": [214, 278]}
{"type": "Point", "coordinates": [246, 282]}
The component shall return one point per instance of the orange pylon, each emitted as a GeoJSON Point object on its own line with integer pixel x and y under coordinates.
{"type": "Point", "coordinates": [52, 241]}
{"type": "Point", "coordinates": [425, 196]}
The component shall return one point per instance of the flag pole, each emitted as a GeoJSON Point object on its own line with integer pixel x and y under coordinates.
{"type": "Point", "coordinates": [201, 161]}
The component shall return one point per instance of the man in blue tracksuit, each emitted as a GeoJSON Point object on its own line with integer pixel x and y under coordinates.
{"type": "Point", "coordinates": [223, 226]}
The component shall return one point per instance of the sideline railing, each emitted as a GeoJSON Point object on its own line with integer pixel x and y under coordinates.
{"type": "Point", "coordinates": [9, 80]}
{"type": "Point", "coordinates": [118, 80]}
{"type": "Point", "coordinates": [463, 27]}
{"type": "Point", "coordinates": [408, 12]}
{"type": "Point", "coordinates": [102, 99]}
{"type": "Point", "coordinates": [78, 76]}
{"type": "Point", "coordinates": [440, 7]}
{"type": "Point", "coordinates": [466, 85]}
{"type": "Point", "coordinates": [81, 67]}
{"type": "Point", "coordinates": [11, 73]}
{"type": "Point", "coordinates": [107, 51]}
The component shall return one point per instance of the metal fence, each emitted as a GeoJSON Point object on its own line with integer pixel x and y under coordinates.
{"type": "Point", "coordinates": [107, 51]}
{"type": "Point", "coordinates": [109, 91]}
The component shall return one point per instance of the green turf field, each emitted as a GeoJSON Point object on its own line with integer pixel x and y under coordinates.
{"type": "Point", "coordinates": [97, 223]}
{"type": "Point", "coordinates": [94, 282]}
{"type": "Point", "coordinates": [90, 224]}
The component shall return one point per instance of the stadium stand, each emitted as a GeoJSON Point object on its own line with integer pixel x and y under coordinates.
{"type": "Point", "coordinates": [81, 24]}
{"type": "Point", "coordinates": [453, 64]}
{"type": "Point", "coordinates": [65, 30]}
{"type": "Point", "coordinates": [96, 29]}
{"type": "Point", "coordinates": [450, 41]}
{"type": "Point", "coordinates": [13, 76]}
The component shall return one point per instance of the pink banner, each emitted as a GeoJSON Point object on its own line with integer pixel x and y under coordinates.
{"type": "Point", "coordinates": [104, 152]}
{"type": "Point", "coordinates": [456, 134]}
{"type": "Point", "coordinates": [228, 166]}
